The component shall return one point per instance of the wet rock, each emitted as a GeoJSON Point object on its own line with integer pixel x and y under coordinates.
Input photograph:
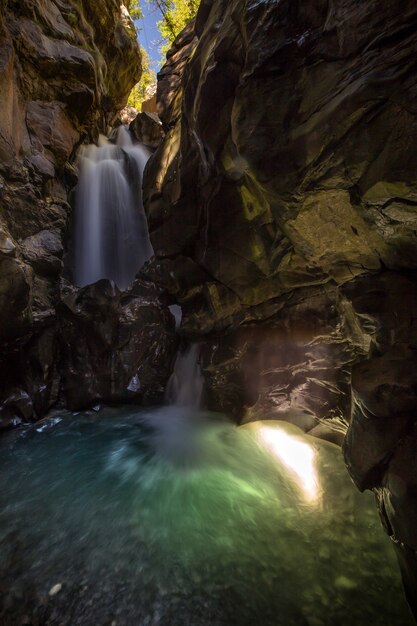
{"type": "Point", "coordinates": [65, 70]}
{"type": "Point", "coordinates": [380, 441]}
{"type": "Point", "coordinates": [287, 171]}
{"type": "Point", "coordinates": [15, 409]}
{"type": "Point", "coordinates": [116, 346]}
{"type": "Point", "coordinates": [294, 366]}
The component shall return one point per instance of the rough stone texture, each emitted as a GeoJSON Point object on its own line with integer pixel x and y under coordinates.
{"type": "Point", "coordinates": [293, 366]}
{"type": "Point", "coordinates": [66, 67]}
{"type": "Point", "coordinates": [147, 128]}
{"type": "Point", "coordinates": [128, 114]}
{"type": "Point", "coordinates": [124, 344]}
{"type": "Point", "coordinates": [149, 105]}
{"type": "Point", "coordinates": [288, 154]}
{"type": "Point", "coordinates": [282, 206]}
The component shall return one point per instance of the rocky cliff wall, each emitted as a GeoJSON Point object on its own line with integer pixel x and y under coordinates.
{"type": "Point", "coordinates": [282, 206]}
{"type": "Point", "coordinates": [289, 156]}
{"type": "Point", "coordinates": [66, 67]}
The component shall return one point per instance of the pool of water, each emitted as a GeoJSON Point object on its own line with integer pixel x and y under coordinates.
{"type": "Point", "coordinates": [175, 517]}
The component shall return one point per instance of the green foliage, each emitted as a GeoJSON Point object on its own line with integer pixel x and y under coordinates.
{"type": "Point", "coordinates": [176, 15]}
{"type": "Point", "coordinates": [72, 18]}
{"type": "Point", "coordinates": [138, 93]}
{"type": "Point", "coordinates": [134, 9]}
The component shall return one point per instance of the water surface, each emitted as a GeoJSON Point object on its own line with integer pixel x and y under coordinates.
{"type": "Point", "coordinates": [175, 517]}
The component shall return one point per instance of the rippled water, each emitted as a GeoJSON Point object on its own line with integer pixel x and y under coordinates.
{"type": "Point", "coordinates": [175, 517]}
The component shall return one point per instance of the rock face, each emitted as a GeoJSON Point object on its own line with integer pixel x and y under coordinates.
{"type": "Point", "coordinates": [149, 105]}
{"type": "Point", "coordinates": [282, 207]}
{"type": "Point", "coordinates": [288, 154]}
{"type": "Point", "coordinates": [66, 67]}
{"type": "Point", "coordinates": [123, 343]}
{"type": "Point", "coordinates": [147, 129]}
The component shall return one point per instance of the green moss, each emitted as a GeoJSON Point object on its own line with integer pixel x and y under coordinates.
{"type": "Point", "coordinates": [72, 18]}
{"type": "Point", "coordinates": [24, 151]}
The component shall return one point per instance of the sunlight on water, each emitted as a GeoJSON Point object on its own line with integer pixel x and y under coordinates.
{"type": "Point", "coordinates": [298, 456]}
{"type": "Point", "coordinates": [176, 517]}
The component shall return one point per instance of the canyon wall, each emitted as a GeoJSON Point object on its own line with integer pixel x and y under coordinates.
{"type": "Point", "coordinates": [282, 207]}
{"type": "Point", "coordinates": [66, 68]}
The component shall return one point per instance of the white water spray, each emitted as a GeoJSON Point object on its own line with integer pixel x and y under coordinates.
{"type": "Point", "coordinates": [111, 231]}
{"type": "Point", "coordinates": [185, 387]}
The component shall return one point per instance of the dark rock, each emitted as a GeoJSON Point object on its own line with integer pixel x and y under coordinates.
{"type": "Point", "coordinates": [287, 157]}
{"type": "Point", "coordinates": [65, 70]}
{"type": "Point", "coordinates": [16, 409]}
{"type": "Point", "coordinates": [147, 128]}
{"type": "Point", "coordinates": [169, 90]}
{"type": "Point", "coordinates": [286, 181]}
{"type": "Point", "coordinates": [384, 395]}
{"type": "Point", "coordinates": [116, 346]}
{"type": "Point", "coordinates": [16, 281]}
{"type": "Point", "coordinates": [294, 366]}
{"type": "Point", "coordinates": [7, 245]}
{"type": "Point", "coordinates": [49, 123]}
{"type": "Point", "coordinates": [43, 252]}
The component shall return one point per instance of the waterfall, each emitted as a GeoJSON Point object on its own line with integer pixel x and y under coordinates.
{"type": "Point", "coordinates": [185, 387]}
{"type": "Point", "coordinates": [111, 232]}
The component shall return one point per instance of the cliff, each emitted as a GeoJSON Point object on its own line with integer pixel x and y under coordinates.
{"type": "Point", "coordinates": [66, 68]}
{"type": "Point", "coordinates": [282, 206]}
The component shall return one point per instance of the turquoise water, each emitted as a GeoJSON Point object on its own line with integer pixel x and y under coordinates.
{"type": "Point", "coordinates": [175, 517]}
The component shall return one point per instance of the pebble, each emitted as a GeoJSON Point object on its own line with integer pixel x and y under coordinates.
{"type": "Point", "coordinates": [55, 589]}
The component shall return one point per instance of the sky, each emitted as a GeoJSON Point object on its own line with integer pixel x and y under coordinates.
{"type": "Point", "coordinates": [148, 33]}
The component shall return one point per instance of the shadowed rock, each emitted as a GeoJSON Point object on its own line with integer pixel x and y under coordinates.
{"type": "Point", "coordinates": [284, 192]}
{"type": "Point", "coordinates": [65, 70]}
{"type": "Point", "coordinates": [117, 346]}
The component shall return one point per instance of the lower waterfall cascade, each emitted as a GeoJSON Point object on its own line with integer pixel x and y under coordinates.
{"type": "Point", "coordinates": [185, 387]}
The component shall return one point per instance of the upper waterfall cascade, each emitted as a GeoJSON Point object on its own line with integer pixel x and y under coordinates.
{"type": "Point", "coordinates": [111, 231]}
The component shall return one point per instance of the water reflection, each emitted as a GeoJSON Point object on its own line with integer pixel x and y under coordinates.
{"type": "Point", "coordinates": [297, 455]}
{"type": "Point", "coordinates": [175, 516]}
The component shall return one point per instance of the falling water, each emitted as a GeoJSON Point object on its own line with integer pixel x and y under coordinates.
{"type": "Point", "coordinates": [185, 387]}
{"type": "Point", "coordinates": [111, 232]}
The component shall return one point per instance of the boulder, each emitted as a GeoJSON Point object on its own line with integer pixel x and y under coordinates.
{"type": "Point", "coordinates": [43, 252]}
{"type": "Point", "coordinates": [116, 346]}
{"type": "Point", "coordinates": [147, 128]}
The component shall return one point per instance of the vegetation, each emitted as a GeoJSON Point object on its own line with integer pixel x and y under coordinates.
{"type": "Point", "coordinates": [176, 14]}
{"type": "Point", "coordinates": [134, 9]}
{"type": "Point", "coordinates": [138, 93]}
